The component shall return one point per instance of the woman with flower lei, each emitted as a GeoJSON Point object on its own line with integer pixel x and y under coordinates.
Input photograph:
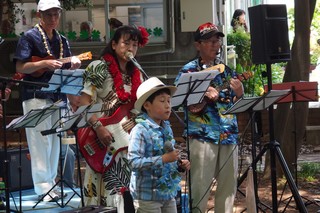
{"type": "Point", "coordinates": [112, 81]}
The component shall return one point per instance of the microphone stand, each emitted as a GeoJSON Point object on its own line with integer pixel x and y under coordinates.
{"type": "Point", "coordinates": [129, 55]}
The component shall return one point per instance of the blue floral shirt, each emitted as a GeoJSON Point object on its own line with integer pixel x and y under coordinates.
{"type": "Point", "coordinates": [151, 179]}
{"type": "Point", "coordinates": [211, 125]}
{"type": "Point", "coordinates": [31, 44]}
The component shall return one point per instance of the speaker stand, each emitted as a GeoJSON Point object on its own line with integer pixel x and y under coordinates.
{"type": "Point", "coordinates": [274, 149]}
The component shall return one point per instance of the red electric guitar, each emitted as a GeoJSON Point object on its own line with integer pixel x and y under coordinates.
{"type": "Point", "coordinates": [98, 155]}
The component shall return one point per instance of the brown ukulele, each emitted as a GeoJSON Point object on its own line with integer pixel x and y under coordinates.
{"type": "Point", "coordinates": [38, 73]}
{"type": "Point", "coordinates": [199, 107]}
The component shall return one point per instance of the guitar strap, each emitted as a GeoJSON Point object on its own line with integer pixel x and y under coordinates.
{"type": "Point", "coordinates": [118, 115]}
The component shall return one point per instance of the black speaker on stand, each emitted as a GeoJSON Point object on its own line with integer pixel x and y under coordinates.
{"type": "Point", "coordinates": [269, 34]}
{"type": "Point", "coordinates": [270, 44]}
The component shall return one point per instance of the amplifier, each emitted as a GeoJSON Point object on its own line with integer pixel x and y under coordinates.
{"type": "Point", "coordinates": [13, 156]}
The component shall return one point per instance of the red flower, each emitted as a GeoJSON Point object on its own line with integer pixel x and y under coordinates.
{"type": "Point", "coordinates": [145, 36]}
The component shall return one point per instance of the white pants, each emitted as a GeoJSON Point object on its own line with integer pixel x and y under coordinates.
{"type": "Point", "coordinates": [44, 150]}
{"type": "Point", "coordinates": [208, 162]}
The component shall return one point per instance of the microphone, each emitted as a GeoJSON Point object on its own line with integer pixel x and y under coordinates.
{"type": "Point", "coordinates": [167, 147]}
{"type": "Point", "coordinates": [129, 56]}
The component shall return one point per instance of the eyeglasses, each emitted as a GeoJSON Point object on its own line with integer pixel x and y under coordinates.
{"type": "Point", "coordinates": [211, 41]}
{"type": "Point", "coordinates": [50, 15]}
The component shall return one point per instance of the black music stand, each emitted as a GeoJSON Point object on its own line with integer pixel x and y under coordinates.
{"type": "Point", "coordinates": [252, 105]}
{"type": "Point", "coordinates": [31, 120]}
{"type": "Point", "coordinates": [74, 122]}
{"type": "Point", "coordinates": [274, 148]}
{"type": "Point", "coordinates": [5, 81]}
{"type": "Point", "coordinates": [302, 91]}
{"type": "Point", "coordinates": [63, 82]}
{"type": "Point", "coordinates": [191, 88]}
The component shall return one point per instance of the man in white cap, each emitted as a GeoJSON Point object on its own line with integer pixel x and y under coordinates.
{"type": "Point", "coordinates": [36, 57]}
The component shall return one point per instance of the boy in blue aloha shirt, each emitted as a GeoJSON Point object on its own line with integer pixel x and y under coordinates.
{"type": "Point", "coordinates": [155, 178]}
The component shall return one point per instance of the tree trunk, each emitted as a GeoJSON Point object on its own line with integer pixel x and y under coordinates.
{"type": "Point", "coordinates": [289, 124]}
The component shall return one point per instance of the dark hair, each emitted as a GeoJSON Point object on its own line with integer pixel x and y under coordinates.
{"type": "Point", "coordinates": [155, 94]}
{"type": "Point", "coordinates": [115, 23]}
{"type": "Point", "coordinates": [134, 35]}
{"type": "Point", "coordinates": [235, 19]}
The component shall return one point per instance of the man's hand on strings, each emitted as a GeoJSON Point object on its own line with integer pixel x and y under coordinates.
{"type": "Point", "coordinates": [104, 135]}
{"type": "Point", "coordinates": [212, 93]}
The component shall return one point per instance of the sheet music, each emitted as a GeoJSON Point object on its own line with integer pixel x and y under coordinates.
{"type": "Point", "coordinates": [69, 121]}
{"type": "Point", "coordinates": [96, 108]}
{"type": "Point", "coordinates": [242, 105]}
{"type": "Point", "coordinates": [193, 84]}
{"type": "Point", "coordinates": [269, 99]}
{"type": "Point", "coordinates": [256, 103]}
{"type": "Point", "coordinates": [68, 81]}
{"type": "Point", "coordinates": [32, 118]}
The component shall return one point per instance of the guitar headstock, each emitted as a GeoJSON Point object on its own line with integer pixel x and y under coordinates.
{"type": "Point", "coordinates": [219, 67]}
{"type": "Point", "coordinates": [245, 75]}
{"type": "Point", "coordinates": [85, 56]}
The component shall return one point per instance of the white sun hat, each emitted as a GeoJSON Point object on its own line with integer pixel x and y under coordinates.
{"type": "Point", "coordinates": [149, 87]}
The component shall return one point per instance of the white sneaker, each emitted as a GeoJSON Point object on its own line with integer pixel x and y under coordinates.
{"type": "Point", "coordinates": [50, 197]}
{"type": "Point", "coordinates": [57, 191]}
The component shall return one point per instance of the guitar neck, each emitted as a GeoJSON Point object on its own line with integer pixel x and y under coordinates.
{"type": "Point", "coordinates": [65, 60]}
{"type": "Point", "coordinates": [241, 77]}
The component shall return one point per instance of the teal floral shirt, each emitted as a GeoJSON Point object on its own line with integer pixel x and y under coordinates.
{"type": "Point", "coordinates": [151, 179]}
{"type": "Point", "coordinates": [211, 125]}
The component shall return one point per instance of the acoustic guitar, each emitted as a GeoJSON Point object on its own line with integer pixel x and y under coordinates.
{"type": "Point", "coordinates": [38, 73]}
{"type": "Point", "coordinates": [199, 107]}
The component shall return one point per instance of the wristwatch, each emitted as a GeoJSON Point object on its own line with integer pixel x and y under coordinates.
{"type": "Point", "coordinates": [96, 125]}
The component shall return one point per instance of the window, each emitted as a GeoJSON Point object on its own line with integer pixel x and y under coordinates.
{"type": "Point", "coordinates": [152, 14]}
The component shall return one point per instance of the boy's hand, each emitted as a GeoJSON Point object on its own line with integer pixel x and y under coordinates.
{"type": "Point", "coordinates": [170, 156]}
{"type": "Point", "coordinates": [185, 164]}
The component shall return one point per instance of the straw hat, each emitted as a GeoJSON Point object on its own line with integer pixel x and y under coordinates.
{"type": "Point", "coordinates": [149, 87]}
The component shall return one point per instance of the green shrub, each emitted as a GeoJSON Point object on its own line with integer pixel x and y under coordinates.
{"type": "Point", "coordinates": [255, 85]}
{"type": "Point", "coordinates": [309, 171]}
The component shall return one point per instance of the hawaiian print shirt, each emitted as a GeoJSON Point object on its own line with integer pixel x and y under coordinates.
{"type": "Point", "coordinates": [151, 179]}
{"type": "Point", "coordinates": [211, 125]}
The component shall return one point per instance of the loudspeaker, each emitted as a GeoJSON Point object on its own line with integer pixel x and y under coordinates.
{"type": "Point", "coordinates": [13, 156]}
{"type": "Point", "coordinates": [269, 34]}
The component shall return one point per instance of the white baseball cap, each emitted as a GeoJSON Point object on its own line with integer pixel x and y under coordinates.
{"type": "Point", "coordinates": [44, 5]}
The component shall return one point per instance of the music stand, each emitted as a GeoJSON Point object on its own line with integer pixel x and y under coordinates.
{"type": "Point", "coordinates": [66, 82]}
{"type": "Point", "coordinates": [5, 81]}
{"type": "Point", "coordinates": [63, 82]}
{"type": "Point", "coordinates": [73, 123]}
{"type": "Point", "coordinates": [33, 118]}
{"type": "Point", "coordinates": [299, 92]}
{"type": "Point", "coordinates": [274, 150]}
{"type": "Point", "coordinates": [252, 105]}
{"type": "Point", "coordinates": [191, 88]}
